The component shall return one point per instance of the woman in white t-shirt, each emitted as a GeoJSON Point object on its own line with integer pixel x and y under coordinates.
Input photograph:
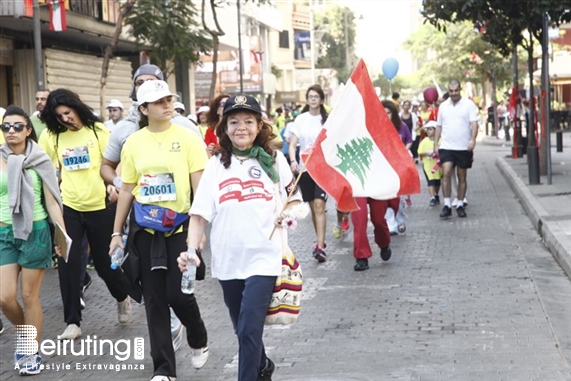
{"type": "Point", "coordinates": [236, 195]}
{"type": "Point", "coordinates": [304, 131]}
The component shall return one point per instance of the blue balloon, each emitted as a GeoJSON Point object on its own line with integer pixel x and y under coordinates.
{"type": "Point", "coordinates": [390, 68]}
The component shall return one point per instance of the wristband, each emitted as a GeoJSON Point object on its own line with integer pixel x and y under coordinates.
{"type": "Point", "coordinates": [117, 182]}
{"type": "Point", "coordinates": [116, 234]}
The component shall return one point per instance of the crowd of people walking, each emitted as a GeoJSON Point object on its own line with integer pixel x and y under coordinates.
{"type": "Point", "coordinates": [65, 168]}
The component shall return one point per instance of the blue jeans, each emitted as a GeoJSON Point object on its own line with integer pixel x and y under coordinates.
{"type": "Point", "coordinates": [247, 301]}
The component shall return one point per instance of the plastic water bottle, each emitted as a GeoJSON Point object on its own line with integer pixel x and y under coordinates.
{"type": "Point", "coordinates": [118, 256]}
{"type": "Point", "coordinates": [189, 276]}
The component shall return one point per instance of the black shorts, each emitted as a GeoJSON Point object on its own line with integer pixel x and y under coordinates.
{"type": "Point", "coordinates": [462, 159]}
{"type": "Point", "coordinates": [309, 189]}
{"type": "Point", "coordinates": [433, 183]}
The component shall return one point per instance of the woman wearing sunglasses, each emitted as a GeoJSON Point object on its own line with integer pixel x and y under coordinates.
{"type": "Point", "coordinates": [76, 141]}
{"type": "Point", "coordinates": [29, 193]}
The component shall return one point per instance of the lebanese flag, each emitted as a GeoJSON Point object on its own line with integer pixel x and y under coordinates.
{"type": "Point", "coordinates": [57, 15]}
{"type": "Point", "coordinates": [359, 153]}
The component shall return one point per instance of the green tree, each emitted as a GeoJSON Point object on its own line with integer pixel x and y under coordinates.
{"type": "Point", "coordinates": [334, 31]}
{"type": "Point", "coordinates": [388, 87]}
{"type": "Point", "coordinates": [171, 28]}
{"type": "Point", "coordinates": [457, 53]}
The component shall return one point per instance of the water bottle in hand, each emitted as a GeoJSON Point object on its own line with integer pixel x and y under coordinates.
{"type": "Point", "coordinates": [118, 256]}
{"type": "Point", "coordinates": [189, 276]}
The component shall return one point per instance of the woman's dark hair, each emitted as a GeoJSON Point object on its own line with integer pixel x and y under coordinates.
{"type": "Point", "coordinates": [322, 110]}
{"type": "Point", "coordinates": [395, 118]}
{"type": "Point", "coordinates": [143, 119]}
{"type": "Point", "coordinates": [16, 110]}
{"type": "Point", "coordinates": [264, 138]}
{"type": "Point", "coordinates": [212, 117]}
{"type": "Point", "coordinates": [65, 97]}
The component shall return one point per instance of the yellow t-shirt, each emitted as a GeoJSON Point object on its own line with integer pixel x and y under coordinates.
{"type": "Point", "coordinates": [160, 165]}
{"type": "Point", "coordinates": [202, 128]}
{"type": "Point", "coordinates": [427, 145]}
{"type": "Point", "coordinates": [79, 154]}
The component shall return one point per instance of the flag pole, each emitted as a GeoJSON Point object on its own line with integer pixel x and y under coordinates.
{"type": "Point", "coordinates": [291, 191]}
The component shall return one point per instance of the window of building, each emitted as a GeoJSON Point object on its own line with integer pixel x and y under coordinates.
{"type": "Point", "coordinates": [284, 39]}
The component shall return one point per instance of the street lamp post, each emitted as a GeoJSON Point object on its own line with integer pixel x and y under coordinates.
{"type": "Point", "coordinates": [38, 47]}
{"type": "Point", "coordinates": [546, 125]}
{"type": "Point", "coordinates": [240, 54]}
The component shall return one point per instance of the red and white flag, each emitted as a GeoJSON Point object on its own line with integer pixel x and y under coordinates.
{"type": "Point", "coordinates": [359, 153]}
{"type": "Point", "coordinates": [57, 15]}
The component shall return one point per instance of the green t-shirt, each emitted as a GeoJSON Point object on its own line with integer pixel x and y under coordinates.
{"type": "Point", "coordinates": [39, 126]}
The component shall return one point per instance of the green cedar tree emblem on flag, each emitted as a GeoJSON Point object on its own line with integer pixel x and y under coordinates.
{"type": "Point", "coordinates": [356, 158]}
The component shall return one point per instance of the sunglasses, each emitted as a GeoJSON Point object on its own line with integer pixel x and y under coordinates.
{"type": "Point", "coordinates": [18, 127]}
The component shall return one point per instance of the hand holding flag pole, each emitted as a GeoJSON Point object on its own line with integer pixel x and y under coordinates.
{"type": "Point", "coordinates": [284, 206]}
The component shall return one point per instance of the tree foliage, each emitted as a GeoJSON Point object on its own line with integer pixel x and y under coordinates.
{"type": "Point", "coordinates": [504, 22]}
{"type": "Point", "coordinates": [172, 28]}
{"type": "Point", "coordinates": [458, 53]}
{"type": "Point", "coordinates": [335, 32]}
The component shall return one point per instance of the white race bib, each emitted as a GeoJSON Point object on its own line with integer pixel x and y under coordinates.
{"type": "Point", "coordinates": [159, 187]}
{"type": "Point", "coordinates": [76, 158]}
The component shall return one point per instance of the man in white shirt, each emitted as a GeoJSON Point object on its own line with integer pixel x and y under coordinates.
{"type": "Point", "coordinates": [457, 127]}
{"type": "Point", "coordinates": [115, 109]}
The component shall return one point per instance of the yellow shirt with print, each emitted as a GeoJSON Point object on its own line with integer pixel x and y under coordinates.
{"type": "Point", "coordinates": [177, 151]}
{"type": "Point", "coordinates": [81, 189]}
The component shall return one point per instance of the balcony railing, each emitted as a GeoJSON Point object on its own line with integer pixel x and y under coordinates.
{"type": "Point", "coordinates": [100, 10]}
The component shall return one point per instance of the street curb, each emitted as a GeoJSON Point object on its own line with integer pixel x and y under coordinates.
{"type": "Point", "coordinates": [549, 231]}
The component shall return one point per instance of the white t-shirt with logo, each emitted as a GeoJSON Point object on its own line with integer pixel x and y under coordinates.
{"type": "Point", "coordinates": [306, 127]}
{"type": "Point", "coordinates": [239, 202]}
{"type": "Point", "coordinates": [455, 120]}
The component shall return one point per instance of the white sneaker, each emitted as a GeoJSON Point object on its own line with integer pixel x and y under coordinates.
{"type": "Point", "coordinates": [198, 357]}
{"type": "Point", "coordinates": [163, 378]}
{"type": "Point", "coordinates": [31, 365]}
{"type": "Point", "coordinates": [124, 310]}
{"type": "Point", "coordinates": [72, 332]}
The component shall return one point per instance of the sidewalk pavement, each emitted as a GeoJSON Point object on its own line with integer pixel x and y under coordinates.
{"type": "Point", "coordinates": [547, 206]}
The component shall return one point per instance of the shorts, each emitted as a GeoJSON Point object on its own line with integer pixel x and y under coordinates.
{"type": "Point", "coordinates": [433, 183]}
{"type": "Point", "coordinates": [309, 189]}
{"type": "Point", "coordinates": [462, 159]}
{"type": "Point", "coordinates": [35, 253]}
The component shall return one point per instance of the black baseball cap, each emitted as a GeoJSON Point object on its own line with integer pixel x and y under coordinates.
{"type": "Point", "coordinates": [242, 102]}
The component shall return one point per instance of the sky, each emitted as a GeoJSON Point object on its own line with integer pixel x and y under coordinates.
{"type": "Point", "coordinates": [384, 26]}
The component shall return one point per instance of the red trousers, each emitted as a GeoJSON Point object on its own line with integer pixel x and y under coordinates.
{"type": "Point", "coordinates": [378, 208]}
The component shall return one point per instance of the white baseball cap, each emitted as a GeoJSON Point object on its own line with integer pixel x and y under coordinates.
{"type": "Point", "coordinates": [115, 103]}
{"type": "Point", "coordinates": [179, 105]}
{"type": "Point", "coordinates": [430, 123]}
{"type": "Point", "coordinates": [152, 91]}
{"type": "Point", "coordinates": [202, 109]}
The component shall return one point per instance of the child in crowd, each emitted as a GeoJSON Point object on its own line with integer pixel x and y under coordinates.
{"type": "Point", "coordinates": [430, 162]}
